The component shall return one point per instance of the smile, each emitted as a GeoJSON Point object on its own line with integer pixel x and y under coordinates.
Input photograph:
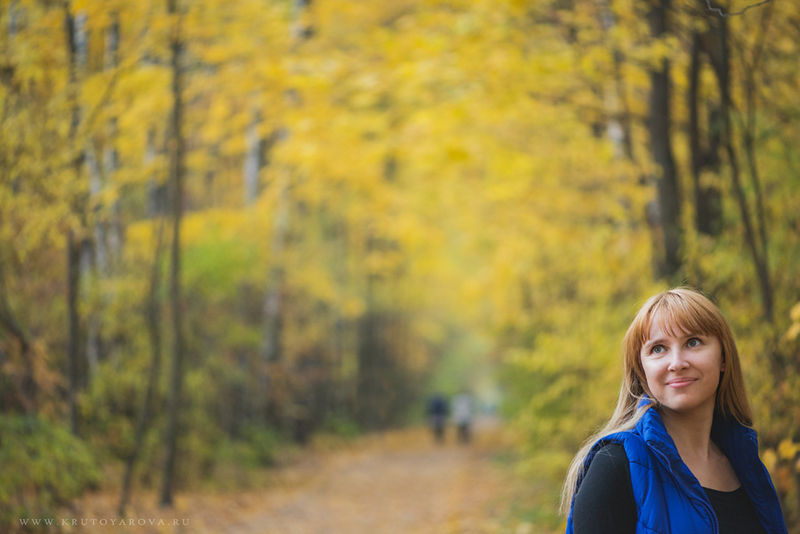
{"type": "Point", "coordinates": [681, 382]}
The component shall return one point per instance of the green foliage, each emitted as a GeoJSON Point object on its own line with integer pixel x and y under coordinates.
{"type": "Point", "coordinates": [219, 259]}
{"type": "Point", "coordinates": [262, 444]}
{"type": "Point", "coordinates": [342, 427]}
{"type": "Point", "coordinates": [441, 189]}
{"type": "Point", "coordinates": [256, 448]}
{"type": "Point", "coordinates": [44, 466]}
{"type": "Point", "coordinates": [110, 408]}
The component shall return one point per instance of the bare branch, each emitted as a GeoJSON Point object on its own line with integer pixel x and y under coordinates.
{"type": "Point", "coordinates": [724, 15]}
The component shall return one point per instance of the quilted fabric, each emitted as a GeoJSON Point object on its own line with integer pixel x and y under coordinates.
{"type": "Point", "coordinates": [669, 498]}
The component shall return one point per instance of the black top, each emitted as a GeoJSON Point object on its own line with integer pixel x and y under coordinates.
{"type": "Point", "coordinates": [605, 504]}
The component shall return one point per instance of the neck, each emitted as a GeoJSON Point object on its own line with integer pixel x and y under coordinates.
{"type": "Point", "coordinates": [691, 432]}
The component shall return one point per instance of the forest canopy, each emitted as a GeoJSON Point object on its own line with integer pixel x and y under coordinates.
{"type": "Point", "coordinates": [224, 224]}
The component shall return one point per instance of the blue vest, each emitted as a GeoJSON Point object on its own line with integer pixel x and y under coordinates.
{"type": "Point", "coordinates": [669, 498]}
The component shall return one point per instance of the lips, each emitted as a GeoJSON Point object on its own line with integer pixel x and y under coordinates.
{"type": "Point", "coordinates": [681, 382]}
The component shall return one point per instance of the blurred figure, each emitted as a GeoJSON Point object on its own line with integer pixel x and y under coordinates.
{"type": "Point", "coordinates": [437, 413]}
{"type": "Point", "coordinates": [462, 415]}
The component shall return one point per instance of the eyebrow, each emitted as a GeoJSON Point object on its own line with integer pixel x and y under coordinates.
{"type": "Point", "coordinates": [652, 342]}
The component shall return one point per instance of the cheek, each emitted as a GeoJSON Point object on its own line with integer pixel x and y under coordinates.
{"type": "Point", "coordinates": [648, 369]}
{"type": "Point", "coordinates": [649, 373]}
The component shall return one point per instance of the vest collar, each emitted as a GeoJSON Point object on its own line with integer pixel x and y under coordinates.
{"type": "Point", "coordinates": [651, 428]}
{"type": "Point", "coordinates": [740, 445]}
{"type": "Point", "coordinates": [738, 442]}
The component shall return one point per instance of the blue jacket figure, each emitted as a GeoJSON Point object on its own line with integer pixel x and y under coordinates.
{"type": "Point", "coordinates": [679, 455]}
{"type": "Point", "coordinates": [437, 413]}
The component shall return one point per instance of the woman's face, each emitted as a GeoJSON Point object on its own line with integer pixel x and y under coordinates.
{"type": "Point", "coordinates": [682, 368]}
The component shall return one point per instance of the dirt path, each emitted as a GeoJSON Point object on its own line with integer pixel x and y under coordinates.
{"type": "Point", "coordinates": [400, 483]}
{"type": "Point", "coordinates": [396, 482]}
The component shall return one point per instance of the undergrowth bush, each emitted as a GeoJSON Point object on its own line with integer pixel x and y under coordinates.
{"type": "Point", "coordinates": [43, 466]}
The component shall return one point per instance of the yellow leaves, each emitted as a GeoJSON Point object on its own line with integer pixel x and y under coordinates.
{"type": "Point", "coordinates": [787, 449]}
{"type": "Point", "coordinates": [770, 459]}
{"type": "Point", "coordinates": [658, 50]}
{"type": "Point", "coordinates": [786, 453]}
{"type": "Point", "coordinates": [786, 45]}
{"type": "Point", "coordinates": [352, 307]}
{"type": "Point", "coordinates": [96, 91]}
{"type": "Point", "coordinates": [794, 329]}
{"type": "Point", "coordinates": [596, 63]}
{"type": "Point", "coordinates": [223, 224]}
{"type": "Point", "coordinates": [457, 154]}
{"type": "Point", "coordinates": [140, 238]}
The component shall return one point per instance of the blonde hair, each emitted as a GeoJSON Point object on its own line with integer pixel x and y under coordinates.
{"type": "Point", "coordinates": [685, 309]}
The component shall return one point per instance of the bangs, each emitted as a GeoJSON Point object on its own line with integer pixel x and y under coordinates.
{"type": "Point", "coordinates": [676, 316]}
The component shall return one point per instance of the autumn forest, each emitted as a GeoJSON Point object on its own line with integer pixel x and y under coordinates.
{"type": "Point", "coordinates": [230, 227]}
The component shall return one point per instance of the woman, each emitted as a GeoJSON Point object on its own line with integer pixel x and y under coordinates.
{"type": "Point", "coordinates": [678, 455]}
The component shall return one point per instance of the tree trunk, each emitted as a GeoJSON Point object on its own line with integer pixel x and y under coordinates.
{"type": "Point", "coordinates": [619, 122]}
{"type": "Point", "coordinates": [301, 30]}
{"type": "Point", "coordinates": [153, 318]}
{"type": "Point", "coordinates": [708, 200]}
{"type": "Point", "coordinates": [156, 192]}
{"type": "Point", "coordinates": [25, 384]}
{"type": "Point", "coordinates": [270, 352]}
{"type": "Point", "coordinates": [252, 159]}
{"type": "Point", "coordinates": [96, 261]}
{"type": "Point", "coordinates": [270, 365]}
{"type": "Point", "coordinates": [176, 179]}
{"type": "Point", "coordinates": [102, 164]}
{"type": "Point", "coordinates": [156, 202]}
{"type": "Point", "coordinates": [749, 132]}
{"type": "Point", "coordinates": [372, 372]}
{"type": "Point", "coordinates": [76, 45]}
{"type": "Point", "coordinates": [625, 110]}
{"type": "Point", "coordinates": [73, 288]}
{"type": "Point", "coordinates": [669, 205]}
{"type": "Point", "coordinates": [720, 59]}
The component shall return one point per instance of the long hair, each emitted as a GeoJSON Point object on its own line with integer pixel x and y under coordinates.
{"type": "Point", "coordinates": [687, 310]}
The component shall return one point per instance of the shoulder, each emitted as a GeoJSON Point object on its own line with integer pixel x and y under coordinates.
{"type": "Point", "coordinates": [630, 441]}
{"type": "Point", "coordinates": [610, 459]}
{"type": "Point", "coordinates": [608, 474]}
{"type": "Point", "coordinates": [605, 502]}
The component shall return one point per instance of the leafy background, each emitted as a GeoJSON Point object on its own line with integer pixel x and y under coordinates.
{"type": "Point", "coordinates": [377, 200]}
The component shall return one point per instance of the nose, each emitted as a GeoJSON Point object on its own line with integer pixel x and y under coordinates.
{"type": "Point", "coordinates": [677, 360]}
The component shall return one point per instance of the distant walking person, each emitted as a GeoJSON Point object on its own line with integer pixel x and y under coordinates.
{"type": "Point", "coordinates": [462, 415]}
{"type": "Point", "coordinates": [437, 414]}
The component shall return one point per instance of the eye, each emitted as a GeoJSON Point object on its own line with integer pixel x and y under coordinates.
{"type": "Point", "coordinates": [658, 349]}
{"type": "Point", "coordinates": [694, 342]}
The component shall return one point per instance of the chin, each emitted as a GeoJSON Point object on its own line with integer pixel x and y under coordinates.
{"type": "Point", "coordinates": [684, 405]}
